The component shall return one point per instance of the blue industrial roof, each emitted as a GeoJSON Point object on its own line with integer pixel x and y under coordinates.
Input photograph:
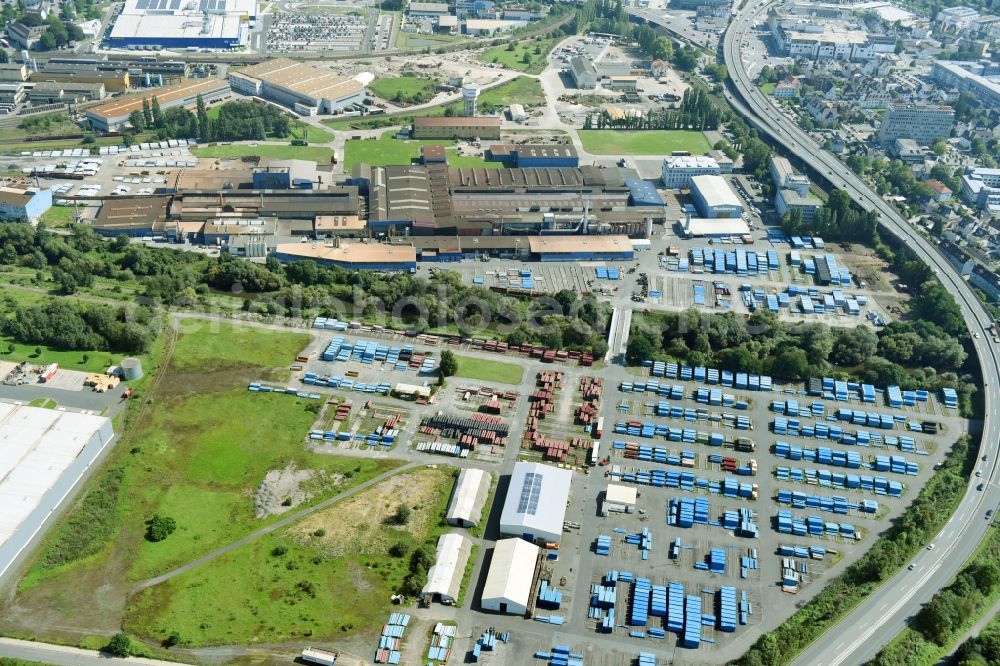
{"type": "Point", "coordinates": [643, 193]}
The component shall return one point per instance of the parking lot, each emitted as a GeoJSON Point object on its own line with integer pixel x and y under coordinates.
{"type": "Point", "coordinates": [331, 30]}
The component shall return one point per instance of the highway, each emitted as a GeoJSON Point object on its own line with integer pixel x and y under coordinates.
{"type": "Point", "coordinates": [859, 635]}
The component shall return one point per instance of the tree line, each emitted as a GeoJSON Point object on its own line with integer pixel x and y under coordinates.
{"type": "Point", "coordinates": [696, 112]}
{"type": "Point", "coordinates": [70, 325]}
{"type": "Point", "coordinates": [235, 121]}
{"type": "Point", "coordinates": [294, 289]}
{"type": "Point", "coordinates": [836, 220]}
{"type": "Point", "coordinates": [918, 354]}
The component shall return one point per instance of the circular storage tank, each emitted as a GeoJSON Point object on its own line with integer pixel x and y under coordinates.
{"type": "Point", "coordinates": [131, 368]}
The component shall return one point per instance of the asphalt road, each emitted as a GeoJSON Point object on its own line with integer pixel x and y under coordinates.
{"type": "Point", "coordinates": [67, 656]}
{"type": "Point", "coordinates": [859, 635]}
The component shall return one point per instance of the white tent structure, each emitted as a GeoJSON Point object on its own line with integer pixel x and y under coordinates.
{"type": "Point", "coordinates": [468, 498]}
{"type": "Point", "coordinates": [536, 502]}
{"type": "Point", "coordinates": [444, 580]}
{"type": "Point", "coordinates": [512, 571]}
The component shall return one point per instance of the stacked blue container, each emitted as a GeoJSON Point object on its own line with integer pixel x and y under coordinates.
{"type": "Point", "coordinates": [691, 637]}
{"type": "Point", "coordinates": [675, 607]}
{"type": "Point", "coordinates": [603, 545]}
{"type": "Point", "coordinates": [727, 609]}
{"type": "Point", "coordinates": [639, 615]}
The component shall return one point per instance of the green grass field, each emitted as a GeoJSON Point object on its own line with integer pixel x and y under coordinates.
{"type": "Point", "coordinates": [487, 370]}
{"type": "Point", "coordinates": [649, 142]}
{"type": "Point", "coordinates": [405, 88]}
{"type": "Point", "coordinates": [307, 580]}
{"type": "Point", "coordinates": [59, 216]}
{"type": "Point", "coordinates": [766, 88]}
{"type": "Point", "coordinates": [95, 361]}
{"type": "Point", "coordinates": [204, 449]}
{"type": "Point", "coordinates": [522, 89]}
{"type": "Point", "coordinates": [536, 50]}
{"type": "Point", "coordinates": [383, 151]}
{"type": "Point", "coordinates": [314, 153]}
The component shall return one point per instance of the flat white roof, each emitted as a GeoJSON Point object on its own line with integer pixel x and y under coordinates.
{"type": "Point", "coordinates": [536, 499]}
{"type": "Point", "coordinates": [715, 191]}
{"type": "Point", "coordinates": [716, 226]}
{"type": "Point", "coordinates": [621, 494]}
{"type": "Point", "coordinates": [690, 162]}
{"type": "Point", "coordinates": [37, 446]}
{"type": "Point", "coordinates": [511, 571]}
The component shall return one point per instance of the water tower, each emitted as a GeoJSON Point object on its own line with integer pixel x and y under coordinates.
{"type": "Point", "coordinates": [470, 93]}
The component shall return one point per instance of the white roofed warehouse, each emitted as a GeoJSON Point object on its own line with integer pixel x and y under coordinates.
{"type": "Point", "coordinates": [468, 498]}
{"type": "Point", "coordinates": [306, 89]}
{"type": "Point", "coordinates": [714, 198]}
{"type": "Point", "coordinates": [536, 502]}
{"type": "Point", "coordinates": [512, 572]}
{"type": "Point", "coordinates": [444, 579]}
{"type": "Point", "coordinates": [43, 455]}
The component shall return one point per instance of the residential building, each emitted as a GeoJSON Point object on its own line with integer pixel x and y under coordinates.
{"type": "Point", "coordinates": [820, 39]}
{"type": "Point", "coordinates": [969, 77]}
{"type": "Point", "coordinates": [958, 20]}
{"type": "Point", "coordinates": [23, 204]}
{"type": "Point", "coordinates": [714, 198]}
{"type": "Point", "coordinates": [678, 170]}
{"type": "Point", "coordinates": [788, 89]}
{"type": "Point", "coordinates": [659, 69]}
{"type": "Point", "coordinates": [923, 123]}
{"type": "Point", "coordinates": [981, 188]}
{"type": "Point", "coordinates": [908, 151]}
{"type": "Point", "coordinates": [941, 191]}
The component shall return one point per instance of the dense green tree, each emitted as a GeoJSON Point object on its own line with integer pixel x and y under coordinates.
{"type": "Point", "coordinates": [449, 364]}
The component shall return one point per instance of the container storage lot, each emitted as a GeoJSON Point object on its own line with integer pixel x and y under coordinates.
{"type": "Point", "coordinates": [857, 511]}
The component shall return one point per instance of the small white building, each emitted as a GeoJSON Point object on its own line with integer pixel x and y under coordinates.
{"type": "Point", "coordinates": [509, 581]}
{"type": "Point", "coordinates": [444, 579]}
{"type": "Point", "coordinates": [619, 499]}
{"type": "Point", "coordinates": [517, 113]}
{"type": "Point", "coordinates": [468, 498]}
{"type": "Point", "coordinates": [535, 506]}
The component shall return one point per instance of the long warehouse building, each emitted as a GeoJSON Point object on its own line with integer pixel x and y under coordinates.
{"type": "Point", "coordinates": [536, 502]}
{"type": "Point", "coordinates": [43, 455]}
{"type": "Point", "coordinates": [444, 579]}
{"type": "Point", "coordinates": [183, 24]}
{"type": "Point", "coordinates": [306, 89]}
{"type": "Point", "coordinates": [112, 116]}
{"type": "Point", "coordinates": [468, 498]}
{"type": "Point", "coordinates": [509, 581]}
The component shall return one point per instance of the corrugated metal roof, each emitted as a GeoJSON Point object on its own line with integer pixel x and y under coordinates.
{"type": "Point", "coordinates": [511, 571]}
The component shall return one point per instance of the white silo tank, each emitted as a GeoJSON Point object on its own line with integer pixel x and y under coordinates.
{"type": "Point", "coordinates": [131, 368]}
{"type": "Point", "coordinates": [470, 93]}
